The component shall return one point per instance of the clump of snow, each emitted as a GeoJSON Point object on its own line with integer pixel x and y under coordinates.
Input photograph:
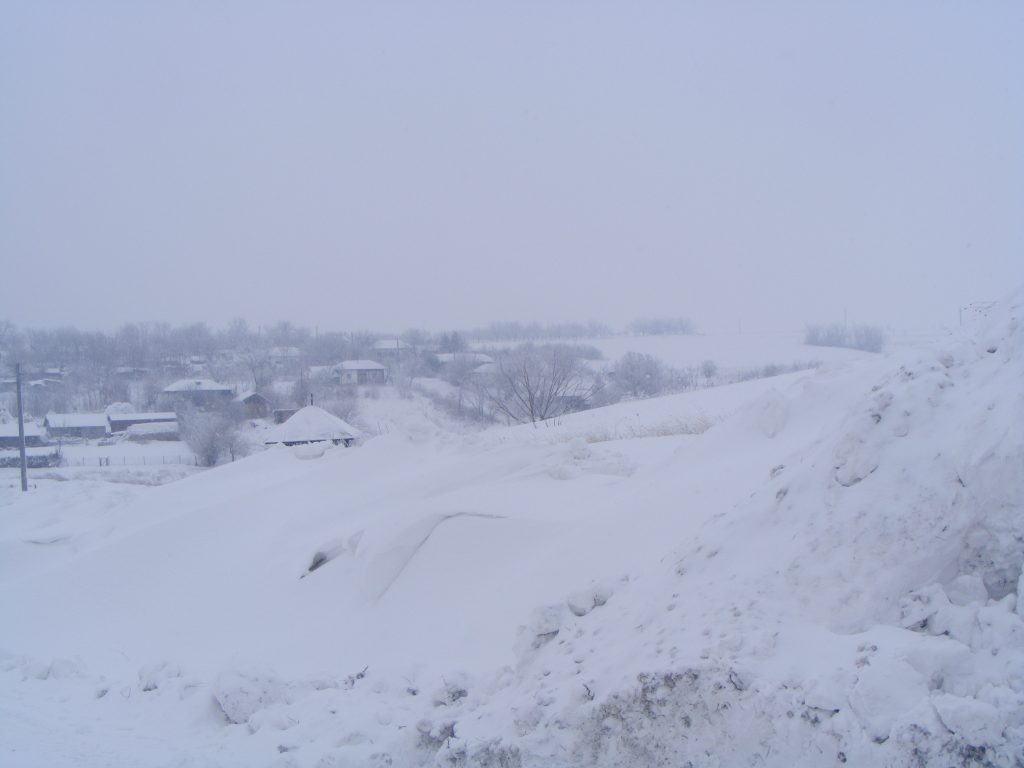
{"type": "Point", "coordinates": [241, 695]}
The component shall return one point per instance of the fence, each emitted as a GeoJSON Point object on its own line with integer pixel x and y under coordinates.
{"type": "Point", "coordinates": [127, 461]}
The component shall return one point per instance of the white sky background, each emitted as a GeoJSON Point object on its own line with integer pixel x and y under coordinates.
{"type": "Point", "coordinates": [386, 165]}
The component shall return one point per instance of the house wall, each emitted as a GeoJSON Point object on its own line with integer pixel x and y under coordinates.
{"type": "Point", "coordinates": [120, 425]}
{"type": "Point", "coordinates": [88, 433]}
{"type": "Point", "coordinates": [256, 408]}
{"type": "Point", "coordinates": [373, 376]}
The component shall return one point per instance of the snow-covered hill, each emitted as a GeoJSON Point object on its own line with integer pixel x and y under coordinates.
{"type": "Point", "coordinates": [816, 569]}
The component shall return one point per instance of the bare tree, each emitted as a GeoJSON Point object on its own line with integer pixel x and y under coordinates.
{"type": "Point", "coordinates": [260, 367]}
{"type": "Point", "coordinates": [533, 383]}
{"type": "Point", "coordinates": [452, 342]}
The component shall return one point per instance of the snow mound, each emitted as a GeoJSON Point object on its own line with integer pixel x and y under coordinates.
{"type": "Point", "coordinates": [312, 424]}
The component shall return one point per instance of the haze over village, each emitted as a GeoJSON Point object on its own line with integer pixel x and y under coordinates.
{"type": "Point", "coordinates": [570, 385]}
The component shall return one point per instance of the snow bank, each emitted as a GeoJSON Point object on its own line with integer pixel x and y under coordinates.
{"type": "Point", "coordinates": [830, 573]}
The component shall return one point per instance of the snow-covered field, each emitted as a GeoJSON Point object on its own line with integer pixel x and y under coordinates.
{"type": "Point", "coordinates": [728, 351]}
{"type": "Point", "coordinates": [815, 569]}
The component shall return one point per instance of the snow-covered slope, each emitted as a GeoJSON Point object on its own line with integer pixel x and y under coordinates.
{"type": "Point", "coordinates": [828, 574]}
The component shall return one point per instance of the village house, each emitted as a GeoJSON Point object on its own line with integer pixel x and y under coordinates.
{"type": "Point", "coordinates": [199, 393]}
{"type": "Point", "coordinates": [360, 372]}
{"type": "Point", "coordinates": [87, 426]}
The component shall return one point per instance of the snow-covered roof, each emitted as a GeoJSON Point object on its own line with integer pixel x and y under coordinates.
{"type": "Point", "coordinates": [10, 429]}
{"type": "Point", "coordinates": [196, 385]}
{"type": "Point", "coordinates": [154, 416]}
{"type": "Point", "coordinates": [312, 424]}
{"type": "Point", "coordinates": [360, 365]}
{"type": "Point", "coordinates": [75, 420]}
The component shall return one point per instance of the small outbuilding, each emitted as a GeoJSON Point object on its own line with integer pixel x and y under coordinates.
{"type": "Point", "coordinates": [360, 372]}
{"type": "Point", "coordinates": [252, 405]}
{"type": "Point", "coordinates": [313, 424]}
{"type": "Point", "coordinates": [88, 426]}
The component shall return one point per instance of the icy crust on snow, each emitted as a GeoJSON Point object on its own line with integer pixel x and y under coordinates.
{"type": "Point", "coordinates": [829, 575]}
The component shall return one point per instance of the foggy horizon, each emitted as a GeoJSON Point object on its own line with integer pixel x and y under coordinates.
{"type": "Point", "coordinates": [389, 167]}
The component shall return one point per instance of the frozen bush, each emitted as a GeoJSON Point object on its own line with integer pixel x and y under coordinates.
{"type": "Point", "coordinates": [639, 375]}
{"type": "Point", "coordinates": [211, 435]}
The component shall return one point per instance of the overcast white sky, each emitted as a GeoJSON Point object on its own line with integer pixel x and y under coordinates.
{"type": "Point", "coordinates": [386, 165]}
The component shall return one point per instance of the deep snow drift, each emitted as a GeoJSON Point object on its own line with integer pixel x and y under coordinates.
{"type": "Point", "coordinates": [828, 574]}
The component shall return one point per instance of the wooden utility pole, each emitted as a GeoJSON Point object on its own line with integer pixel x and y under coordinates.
{"type": "Point", "coordinates": [21, 429]}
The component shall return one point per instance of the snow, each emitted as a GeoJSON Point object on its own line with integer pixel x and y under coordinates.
{"type": "Point", "coordinates": [813, 569]}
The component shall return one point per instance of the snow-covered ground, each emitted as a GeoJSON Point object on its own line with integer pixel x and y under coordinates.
{"type": "Point", "coordinates": [814, 569]}
{"type": "Point", "coordinates": [146, 463]}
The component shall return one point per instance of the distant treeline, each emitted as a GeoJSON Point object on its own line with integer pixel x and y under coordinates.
{"type": "Point", "coordinates": [515, 331]}
{"type": "Point", "coordinates": [661, 326]}
{"type": "Point", "coordinates": [869, 338]}
{"type": "Point", "coordinates": [143, 345]}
